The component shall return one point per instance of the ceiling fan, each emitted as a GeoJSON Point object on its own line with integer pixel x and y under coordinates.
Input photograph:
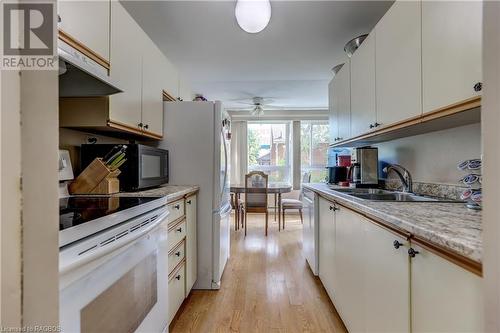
{"type": "Point", "coordinates": [258, 105]}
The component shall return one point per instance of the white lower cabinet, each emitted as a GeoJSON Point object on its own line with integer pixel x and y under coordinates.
{"type": "Point", "coordinates": [182, 258]}
{"type": "Point", "coordinates": [176, 291]}
{"type": "Point", "coordinates": [350, 270]}
{"type": "Point", "coordinates": [191, 248]}
{"type": "Point", "coordinates": [445, 297]}
{"type": "Point", "coordinates": [327, 246]}
{"type": "Point", "coordinates": [377, 287]}
{"type": "Point", "coordinates": [386, 280]}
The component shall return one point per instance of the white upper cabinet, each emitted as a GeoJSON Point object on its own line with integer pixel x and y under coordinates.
{"type": "Point", "coordinates": [88, 22]}
{"type": "Point", "coordinates": [342, 101]}
{"type": "Point", "coordinates": [126, 68]}
{"type": "Point", "coordinates": [398, 63]}
{"type": "Point", "coordinates": [422, 56]}
{"type": "Point", "coordinates": [363, 115]}
{"type": "Point", "coordinates": [332, 114]}
{"type": "Point", "coordinates": [451, 52]}
{"type": "Point", "coordinates": [444, 296]}
{"type": "Point", "coordinates": [153, 80]}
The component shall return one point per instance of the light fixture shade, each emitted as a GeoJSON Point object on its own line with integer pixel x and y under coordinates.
{"type": "Point", "coordinates": [253, 15]}
{"type": "Point", "coordinates": [257, 111]}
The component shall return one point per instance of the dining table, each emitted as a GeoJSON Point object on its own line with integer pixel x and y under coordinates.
{"type": "Point", "coordinates": [276, 188]}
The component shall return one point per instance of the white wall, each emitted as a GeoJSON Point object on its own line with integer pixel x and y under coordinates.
{"type": "Point", "coordinates": [10, 199]}
{"type": "Point", "coordinates": [491, 149]}
{"type": "Point", "coordinates": [40, 204]}
{"type": "Point", "coordinates": [239, 158]}
{"type": "Point", "coordinates": [29, 199]}
{"type": "Point", "coordinates": [433, 157]}
{"type": "Point", "coordinates": [71, 140]}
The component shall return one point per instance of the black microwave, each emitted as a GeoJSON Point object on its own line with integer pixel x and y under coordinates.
{"type": "Point", "coordinates": [145, 166]}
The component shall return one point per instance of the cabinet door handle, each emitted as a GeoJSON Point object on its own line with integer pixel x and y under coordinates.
{"type": "Point", "coordinates": [397, 244]}
{"type": "Point", "coordinates": [372, 126]}
{"type": "Point", "coordinates": [478, 86]}
{"type": "Point", "coordinates": [140, 125]}
{"type": "Point", "coordinates": [178, 253]}
{"type": "Point", "coordinates": [412, 252]}
{"type": "Point", "coordinates": [59, 19]}
{"type": "Point", "coordinates": [340, 139]}
{"type": "Point", "coordinates": [146, 126]}
{"type": "Point", "coordinates": [178, 230]}
{"type": "Point", "coordinates": [188, 202]}
{"type": "Point", "coordinates": [376, 125]}
{"type": "Point", "coordinates": [333, 208]}
{"type": "Point", "coordinates": [177, 206]}
{"type": "Point", "coordinates": [178, 277]}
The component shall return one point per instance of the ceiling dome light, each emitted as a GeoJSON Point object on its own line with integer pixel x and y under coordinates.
{"type": "Point", "coordinates": [253, 15]}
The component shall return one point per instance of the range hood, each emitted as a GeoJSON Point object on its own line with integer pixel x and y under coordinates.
{"type": "Point", "coordinates": [80, 76]}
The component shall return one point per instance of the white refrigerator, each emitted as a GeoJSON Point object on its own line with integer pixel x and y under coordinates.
{"type": "Point", "coordinates": [197, 135]}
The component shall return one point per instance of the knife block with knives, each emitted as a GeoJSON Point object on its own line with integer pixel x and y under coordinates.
{"type": "Point", "coordinates": [97, 178]}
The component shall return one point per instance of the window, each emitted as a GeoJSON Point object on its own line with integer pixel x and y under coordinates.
{"type": "Point", "coordinates": [268, 150]}
{"type": "Point", "coordinates": [314, 149]}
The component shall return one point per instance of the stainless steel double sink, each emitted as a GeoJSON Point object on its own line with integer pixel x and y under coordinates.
{"type": "Point", "coordinates": [373, 194]}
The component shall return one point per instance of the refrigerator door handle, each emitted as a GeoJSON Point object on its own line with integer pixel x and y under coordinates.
{"type": "Point", "coordinates": [226, 211]}
{"type": "Point", "coordinates": [225, 163]}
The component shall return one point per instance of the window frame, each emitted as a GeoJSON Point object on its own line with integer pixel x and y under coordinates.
{"type": "Point", "coordinates": [312, 166]}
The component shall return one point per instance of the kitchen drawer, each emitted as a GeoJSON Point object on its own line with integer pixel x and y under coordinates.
{"type": "Point", "coordinates": [176, 233]}
{"type": "Point", "coordinates": [176, 256]}
{"type": "Point", "coordinates": [176, 291]}
{"type": "Point", "coordinates": [176, 210]}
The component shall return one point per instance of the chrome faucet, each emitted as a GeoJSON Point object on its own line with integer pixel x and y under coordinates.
{"type": "Point", "coordinates": [403, 174]}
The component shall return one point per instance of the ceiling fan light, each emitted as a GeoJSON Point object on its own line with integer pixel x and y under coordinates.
{"type": "Point", "coordinates": [257, 111]}
{"type": "Point", "coordinates": [253, 16]}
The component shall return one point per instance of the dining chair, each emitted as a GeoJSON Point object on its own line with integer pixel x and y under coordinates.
{"type": "Point", "coordinates": [239, 209]}
{"type": "Point", "coordinates": [234, 206]}
{"type": "Point", "coordinates": [256, 195]}
{"type": "Point", "coordinates": [295, 203]}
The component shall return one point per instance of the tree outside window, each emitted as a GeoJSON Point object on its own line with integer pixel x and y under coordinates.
{"type": "Point", "coordinates": [268, 150]}
{"type": "Point", "coordinates": [314, 138]}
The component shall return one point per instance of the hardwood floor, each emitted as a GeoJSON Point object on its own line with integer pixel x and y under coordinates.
{"type": "Point", "coordinates": [266, 287]}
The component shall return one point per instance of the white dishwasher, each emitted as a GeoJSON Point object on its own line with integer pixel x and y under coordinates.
{"type": "Point", "coordinates": [310, 232]}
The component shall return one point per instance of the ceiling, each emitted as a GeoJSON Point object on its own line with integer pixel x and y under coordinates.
{"type": "Point", "coordinates": [290, 61]}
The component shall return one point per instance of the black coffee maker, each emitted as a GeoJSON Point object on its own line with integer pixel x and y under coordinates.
{"type": "Point", "coordinates": [338, 173]}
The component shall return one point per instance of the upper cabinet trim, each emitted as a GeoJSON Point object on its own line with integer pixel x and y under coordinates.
{"type": "Point", "coordinates": [450, 110]}
{"type": "Point", "coordinates": [70, 40]}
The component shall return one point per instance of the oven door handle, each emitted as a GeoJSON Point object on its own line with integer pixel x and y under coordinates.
{"type": "Point", "coordinates": [108, 248]}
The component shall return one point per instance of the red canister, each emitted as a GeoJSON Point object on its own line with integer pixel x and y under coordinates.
{"type": "Point", "coordinates": [344, 160]}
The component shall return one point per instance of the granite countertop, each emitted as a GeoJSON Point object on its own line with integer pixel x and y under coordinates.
{"type": "Point", "coordinates": [172, 192]}
{"type": "Point", "coordinates": [449, 225]}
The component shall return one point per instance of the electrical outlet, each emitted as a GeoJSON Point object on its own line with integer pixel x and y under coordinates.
{"type": "Point", "coordinates": [90, 139]}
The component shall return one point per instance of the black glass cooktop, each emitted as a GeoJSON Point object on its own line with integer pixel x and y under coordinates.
{"type": "Point", "coordinates": [80, 209]}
